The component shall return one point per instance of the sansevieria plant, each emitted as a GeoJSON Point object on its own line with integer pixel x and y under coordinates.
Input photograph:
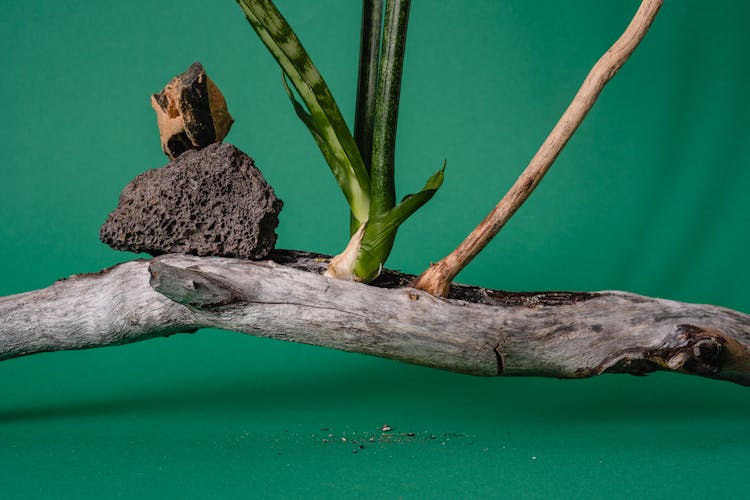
{"type": "Point", "coordinates": [363, 163]}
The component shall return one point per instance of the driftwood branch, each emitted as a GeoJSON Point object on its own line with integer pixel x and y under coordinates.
{"type": "Point", "coordinates": [479, 332]}
{"type": "Point", "coordinates": [438, 277]}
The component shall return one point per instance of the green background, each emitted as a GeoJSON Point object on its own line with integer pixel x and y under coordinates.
{"type": "Point", "coordinates": [650, 196]}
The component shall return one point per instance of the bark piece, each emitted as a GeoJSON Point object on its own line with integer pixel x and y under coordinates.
{"type": "Point", "coordinates": [552, 334]}
{"type": "Point", "coordinates": [191, 112]}
{"type": "Point", "coordinates": [208, 202]}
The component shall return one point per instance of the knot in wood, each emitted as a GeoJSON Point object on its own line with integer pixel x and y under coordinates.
{"type": "Point", "coordinates": [702, 350]}
{"type": "Point", "coordinates": [708, 350]}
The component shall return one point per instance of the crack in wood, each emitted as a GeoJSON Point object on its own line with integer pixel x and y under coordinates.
{"type": "Point", "coordinates": [499, 357]}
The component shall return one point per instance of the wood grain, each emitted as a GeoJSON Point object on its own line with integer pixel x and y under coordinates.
{"type": "Point", "coordinates": [555, 334]}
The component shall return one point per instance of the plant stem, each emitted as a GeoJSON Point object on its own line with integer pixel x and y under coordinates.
{"type": "Point", "coordinates": [437, 278]}
{"type": "Point", "coordinates": [382, 186]}
{"type": "Point", "coordinates": [367, 82]}
{"type": "Point", "coordinates": [377, 241]}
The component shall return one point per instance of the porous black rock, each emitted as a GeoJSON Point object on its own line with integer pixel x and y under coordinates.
{"type": "Point", "coordinates": [212, 201]}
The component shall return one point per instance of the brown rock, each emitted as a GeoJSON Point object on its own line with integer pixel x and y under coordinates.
{"type": "Point", "coordinates": [191, 112]}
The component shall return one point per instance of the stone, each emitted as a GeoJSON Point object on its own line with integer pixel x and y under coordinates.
{"type": "Point", "coordinates": [212, 201]}
{"type": "Point", "coordinates": [191, 112]}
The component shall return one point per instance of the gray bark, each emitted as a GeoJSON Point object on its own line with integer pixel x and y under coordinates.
{"type": "Point", "coordinates": [556, 334]}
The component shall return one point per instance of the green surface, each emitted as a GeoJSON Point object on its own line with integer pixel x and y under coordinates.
{"type": "Point", "coordinates": [650, 196]}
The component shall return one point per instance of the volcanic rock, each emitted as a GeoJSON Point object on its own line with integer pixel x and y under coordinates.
{"type": "Point", "coordinates": [212, 201]}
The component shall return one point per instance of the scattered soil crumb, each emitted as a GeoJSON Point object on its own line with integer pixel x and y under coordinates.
{"type": "Point", "coordinates": [386, 436]}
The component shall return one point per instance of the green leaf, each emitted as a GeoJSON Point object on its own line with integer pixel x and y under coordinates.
{"type": "Point", "coordinates": [381, 230]}
{"type": "Point", "coordinates": [323, 118]}
{"type": "Point", "coordinates": [307, 119]}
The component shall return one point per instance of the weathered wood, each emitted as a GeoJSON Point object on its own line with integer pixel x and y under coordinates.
{"type": "Point", "coordinates": [556, 334]}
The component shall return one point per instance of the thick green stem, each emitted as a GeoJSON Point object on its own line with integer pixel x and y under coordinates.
{"type": "Point", "coordinates": [381, 230]}
{"type": "Point", "coordinates": [382, 186]}
{"type": "Point", "coordinates": [367, 82]}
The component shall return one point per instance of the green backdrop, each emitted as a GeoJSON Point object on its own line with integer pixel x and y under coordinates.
{"type": "Point", "coordinates": [650, 196]}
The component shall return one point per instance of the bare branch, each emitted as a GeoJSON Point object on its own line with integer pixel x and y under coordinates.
{"type": "Point", "coordinates": [555, 334]}
{"type": "Point", "coordinates": [438, 277]}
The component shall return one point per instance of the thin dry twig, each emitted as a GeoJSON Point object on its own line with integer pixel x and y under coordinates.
{"type": "Point", "coordinates": [438, 277]}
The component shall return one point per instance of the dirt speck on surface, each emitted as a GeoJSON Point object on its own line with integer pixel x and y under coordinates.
{"type": "Point", "coordinates": [385, 437]}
